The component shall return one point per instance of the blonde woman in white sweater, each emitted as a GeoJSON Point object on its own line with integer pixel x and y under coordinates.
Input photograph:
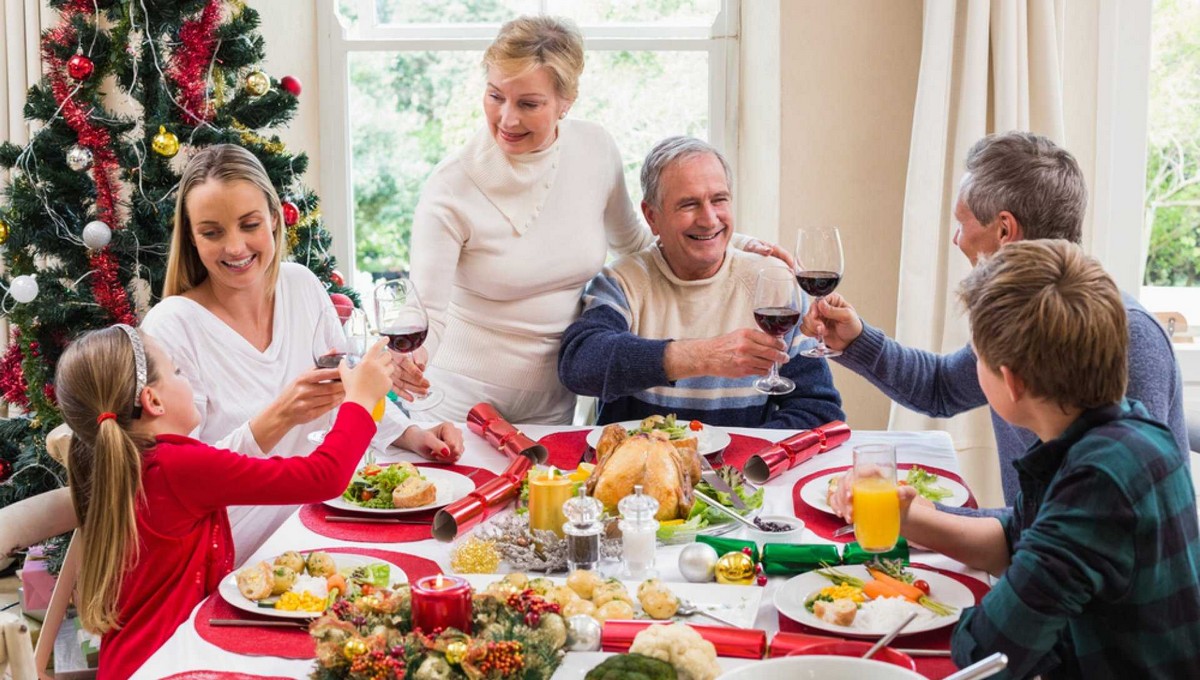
{"type": "Point", "coordinates": [510, 229]}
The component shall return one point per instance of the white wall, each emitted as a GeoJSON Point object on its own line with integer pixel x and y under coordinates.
{"type": "Point", "coordinates": [289, 30]}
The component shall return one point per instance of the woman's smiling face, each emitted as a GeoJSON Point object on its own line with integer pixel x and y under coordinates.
{"type": "Point", "coordinates": [523, 111]}
{"type": "Point", "coordinates": [232, 230]}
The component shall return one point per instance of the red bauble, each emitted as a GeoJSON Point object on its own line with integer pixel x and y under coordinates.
{"type": "Point", "coordinates": [80, 67]}
{"type": "Point", "coordinates": [291, 84]}
{"type": "Point", "coordinates": [5, 470]}
{"type": "Point", "coordinates": [336, 277]}
{"type": "Point", "coordinates": [343, 304]}
{"type": "Point", "coordinates": [291, 214]}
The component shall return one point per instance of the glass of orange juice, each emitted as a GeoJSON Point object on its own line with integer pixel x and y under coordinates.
{"type": "Point", "coordinates": [876, 498]}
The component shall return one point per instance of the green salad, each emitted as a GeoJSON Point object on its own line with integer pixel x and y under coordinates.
{"type": "Point", "coordinates": [924, 482]}
{"type": "Point", "coordinates": [668, 424]}
{"type": "Point", "coordinates": [702, 516]}
{"type": "Point", "coordinates": [372, 486]}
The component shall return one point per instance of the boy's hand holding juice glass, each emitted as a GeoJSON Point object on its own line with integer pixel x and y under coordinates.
{"type": "Point", "coordinates": [875, 497]}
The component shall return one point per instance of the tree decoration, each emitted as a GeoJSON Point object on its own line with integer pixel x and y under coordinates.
{"type": "Point", "coordinates": [23, 288]}
{"type": "Point", "coordinates": [165, 143]}
{"type": "Point", "coordinates": [336, 278]}
{"type": "Point", "coordinates": [257, 83]}
{"type": "Point", "coordinates": [80, 67]}
{"type": "Point", "coordinates": [291, 214]}
{"type": "Point", "coordinates": [96, 235]}
{"type": "Point", "coordinates": [79, 158]}
{"type": "Point", "coordinates": [3, 232]}
{"type": "Point", "coordinates": [198, 40]}
{"type": "Point", "coordinates": [6, 469]}
{"type": "Point", "coordinates": [291, 85]}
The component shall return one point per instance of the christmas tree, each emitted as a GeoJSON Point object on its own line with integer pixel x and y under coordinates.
{"type": "Point", "coordinates": [129, 91]}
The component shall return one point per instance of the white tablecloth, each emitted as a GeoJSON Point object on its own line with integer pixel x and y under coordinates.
{"type": "Point", "coordinates": [186, 651]}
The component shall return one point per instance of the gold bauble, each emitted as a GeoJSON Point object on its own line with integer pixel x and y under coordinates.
{"type": "Point", "coordinates": [165, 143]}
{"type": "Point", "coordinates": [3, 231]}
{"type": "Point", "coordinates": [456, 651]}
{"type": "Point", "coordinates": [735, 568]}
{"type": "Point", "coordinates": [257, 83]}
{"type": "Point", "coordinates": [354, 647]}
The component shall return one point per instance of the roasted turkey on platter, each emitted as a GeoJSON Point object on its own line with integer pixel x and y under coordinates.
{"type": "Point", "coordinates": [666, 470]}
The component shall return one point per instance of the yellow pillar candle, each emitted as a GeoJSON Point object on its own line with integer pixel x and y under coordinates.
{"type": "Point", "coordinates": [547, 492]}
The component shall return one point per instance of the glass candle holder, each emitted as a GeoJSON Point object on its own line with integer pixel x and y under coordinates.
{"type": "Point", "coordinates": [638, 530]}
{"type": "Point", "coordinates": [440, 602]}
{"type": "Point", "coordinates": [548, 491]}
{"type": "Point", "coordinates": [583, 529]}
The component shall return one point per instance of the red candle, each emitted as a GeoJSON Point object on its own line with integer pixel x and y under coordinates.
{"type": "Point", "coordinates": [441, 602]}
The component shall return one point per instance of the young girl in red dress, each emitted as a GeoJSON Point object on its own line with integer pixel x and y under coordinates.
{"type": "Point", "coordinates": [151, 501]}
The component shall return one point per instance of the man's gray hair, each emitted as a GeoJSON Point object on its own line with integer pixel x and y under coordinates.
{"type": "Point", "coordinates": [1031, 177]}
{"type": "Point", "coordinates": [667, 152]}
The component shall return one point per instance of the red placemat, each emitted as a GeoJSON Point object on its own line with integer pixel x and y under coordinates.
{"type": "Point", "coordinates": [824, 524]}
{"type": "Point", "coordinates": [289, 643]}
{"type": "Point", "coordinates": [221, 675]}
{"type": "Point", "coordinates": [568, 448]}
{"type": "Point", "coordinates": [932, 667]}
{"type": "Point", "coordinates": [313, 517]}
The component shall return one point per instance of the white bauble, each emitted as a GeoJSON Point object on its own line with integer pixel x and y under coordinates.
{"type": "Point", "coordinates": [697, 562]}
{"type": "Point", "coordinates": [583, 634]}
{"type": "Point", "coordinates": [96, 235]}
{"type": "Point", "coordinates": [23, 288]}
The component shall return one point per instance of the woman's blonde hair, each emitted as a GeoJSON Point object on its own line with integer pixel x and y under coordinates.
{"type": "Point", "coordinates": [98, 374]}
{"type": "Point", "coordinates": [224, 163]}
{"type": "Point", "coordinates": [527, 42]}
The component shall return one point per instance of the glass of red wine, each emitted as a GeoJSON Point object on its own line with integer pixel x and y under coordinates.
{"type": "Point", "coordinates": [403, 321]}
{"type": "Point", "coordinates": [819, 265]}
{"type": "Point", "coordinates": [776, 311]}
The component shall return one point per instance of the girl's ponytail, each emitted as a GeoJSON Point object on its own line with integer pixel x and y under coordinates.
{"type": "Point", "coordinates": [99, 383]}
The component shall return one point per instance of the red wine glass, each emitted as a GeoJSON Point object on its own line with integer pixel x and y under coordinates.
{"type": "Point", "coordinates": [819, 266]}
{"type": "Point", "coordinates": [404, 322]}
{"type": "Point", "coordinates": [776, 311]}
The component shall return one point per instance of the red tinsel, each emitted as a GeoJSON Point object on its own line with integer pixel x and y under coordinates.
{"type": "Point", "coordinates": [106, 285]}
{"type": "Point", "coordinates": [107, 288]}
{"type": "Point", "coordinates": [190, 61]}
{"type": "Point", "coordinates": [12, 378]}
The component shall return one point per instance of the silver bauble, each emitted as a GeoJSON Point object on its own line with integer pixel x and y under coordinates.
{"type": "Point", "coordinates": [698, 562]}
{"type": "Point", "coordinates": [583, 634]}
{"type": "Point", "coordinates": [96, 235]}
{"type": "Point", "coordinates": [79, 158]}
{"type": "Point", "coordinates": [23, 288]}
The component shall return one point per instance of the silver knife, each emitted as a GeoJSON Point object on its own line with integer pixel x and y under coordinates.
{"type": "Point", "coordinates": [710, 475]}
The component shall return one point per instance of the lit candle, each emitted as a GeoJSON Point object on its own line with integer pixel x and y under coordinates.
{"type": "Point", "coordinates": [547, 493]}
{"type": "Point", "coordinates": [440, 602]}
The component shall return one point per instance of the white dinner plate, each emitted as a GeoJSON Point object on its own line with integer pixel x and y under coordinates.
{"type": "Point", "coordinates": [738, 604]}
{"type": "Point", "coordinates": [791, 596]}
{"type": "Point", "coordinates": [710, 439]}
{"type": "Point", "coordinates": [344, 561]}
{"type": "Point", "coordinates": [451, 486]}
{"type": "Point", "coordinates": [815, 491]}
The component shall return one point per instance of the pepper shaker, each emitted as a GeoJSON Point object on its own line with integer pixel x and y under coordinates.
{"type": "Point", "coordinates": [582, 531]}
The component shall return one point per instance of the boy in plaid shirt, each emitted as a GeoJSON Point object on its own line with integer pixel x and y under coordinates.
{"type": "Point", "coordinates": [1098, 561]}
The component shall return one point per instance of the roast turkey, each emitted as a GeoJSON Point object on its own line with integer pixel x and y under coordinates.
{"type": "Point", "coordinates": [665, 472]}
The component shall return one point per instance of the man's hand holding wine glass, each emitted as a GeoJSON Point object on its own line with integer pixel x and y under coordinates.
{"type": "Point", "coordinates": [737, 354]}
{"type": "Point", "coordinates": [833, 318]}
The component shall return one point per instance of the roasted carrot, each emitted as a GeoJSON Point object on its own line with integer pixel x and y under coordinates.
{"type": "Point", "coordinates": [877, 589]}
{"type": "Point", "coordinates": [908, 592]}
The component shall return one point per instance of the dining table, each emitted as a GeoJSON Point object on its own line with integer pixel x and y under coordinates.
{"type": "Point", "coordinates": [187, 655]}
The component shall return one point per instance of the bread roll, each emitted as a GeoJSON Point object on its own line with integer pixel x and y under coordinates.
{"type": "Point", "coordinates": [413, 493]}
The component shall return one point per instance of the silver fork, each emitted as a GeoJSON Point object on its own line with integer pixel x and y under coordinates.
{"type": "Point", "coordinates": [687, 608]}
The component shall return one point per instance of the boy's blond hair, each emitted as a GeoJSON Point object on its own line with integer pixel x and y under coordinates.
{"type": "Point", "coordinates": [1054, 317]}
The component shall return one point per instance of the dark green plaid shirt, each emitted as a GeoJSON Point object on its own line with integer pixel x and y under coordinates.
{"type": "Point", "coordinates": [1103, 581]}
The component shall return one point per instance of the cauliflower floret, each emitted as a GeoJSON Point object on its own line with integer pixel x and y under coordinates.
{"type": "Point", "coordinates": [693, 657]}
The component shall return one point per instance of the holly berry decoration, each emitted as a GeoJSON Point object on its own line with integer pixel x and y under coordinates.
{"type": "Point", "coordinates": [80, 67]}
{"type": "Point", "coordinates": [258, 84]}
{"type": "Point", "coordinates": [5, 470]}
{"type": "Point", "coordinates": [291, 214]}
{"type": "Point", "coordinates": [165, 143]}
{"type": "Point", "coordinates": [291, 84]}
{"type": "Point", "coordinates": [336, 278]}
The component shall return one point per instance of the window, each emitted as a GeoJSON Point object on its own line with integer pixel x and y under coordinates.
{"type": "Point", "coordinates": [406, 87]}
{"type": "Point", "coordinates": [1172, 278]}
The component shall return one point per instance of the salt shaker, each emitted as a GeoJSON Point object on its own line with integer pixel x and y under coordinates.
{"type": "Point", "coordinates": [582, 531]}
{"type": "Point", "coordinates": [638, 530]}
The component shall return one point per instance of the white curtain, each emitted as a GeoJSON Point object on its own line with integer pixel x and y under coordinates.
{"type": "Point", "coordinates": [20, 67]}
{"type": "Point", "coordinates": [986, 66]}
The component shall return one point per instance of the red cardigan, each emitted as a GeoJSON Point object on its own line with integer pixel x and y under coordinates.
{"type": "Point", "coordinates": [186, 547]}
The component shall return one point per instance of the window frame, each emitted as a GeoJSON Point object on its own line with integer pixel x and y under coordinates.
{"type": "Point", "coordinates": [336, 41]}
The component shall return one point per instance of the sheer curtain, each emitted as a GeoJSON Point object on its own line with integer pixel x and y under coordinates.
{"type": "Point", "coordinates": [986, 66]}
{"type": "Point", "coordinates": [20, 66]}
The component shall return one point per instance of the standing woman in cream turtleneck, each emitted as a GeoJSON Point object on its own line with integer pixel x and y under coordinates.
{"type": "Point", "coordinates": [510, 229]}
